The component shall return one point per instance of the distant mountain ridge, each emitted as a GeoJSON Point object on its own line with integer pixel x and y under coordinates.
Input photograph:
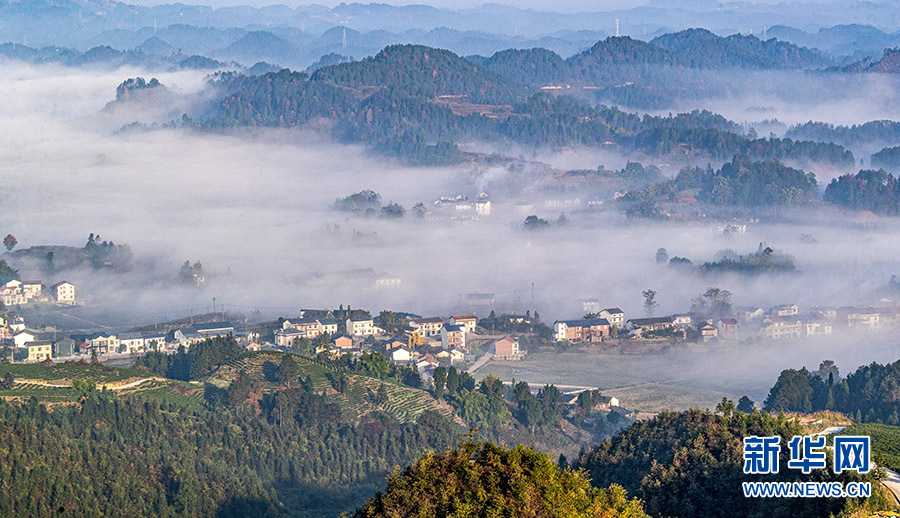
{"type": "Point", "coordinates": [483, 30]}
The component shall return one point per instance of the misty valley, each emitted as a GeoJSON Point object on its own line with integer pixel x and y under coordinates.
{"type": "Point", "coordinates": [402, 260]}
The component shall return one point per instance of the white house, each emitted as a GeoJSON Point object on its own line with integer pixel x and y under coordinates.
{"type": "Point", "coordinates": [130, 343]}
{"type": "Point", "coordinates": [427, 326]}
{"type": "Point", "coordinates": [615, 316]}
{"type": "Point", "coordinates": [103, 342]}
{"type": "Point", "coordinates": [361, 327]}
{"type": "Point", "coordinates": [23, 337]}
{"type": "Point", "coordinates": [399, 354]}
{"type": "Point", "coordinates": [154, 341]}
{"type": "Point", "coordinates": [32, 289]}
{"type": "Point", "coordinates": [467, 322]}
{"type": "Point", "coordinates": [12, 294]}
{"type": "Point", "coordinates": [64, 292]}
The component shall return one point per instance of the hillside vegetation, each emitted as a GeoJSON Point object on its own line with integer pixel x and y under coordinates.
{"type": "Point", "coordinates": [482, 479]}
{"type": "Point", "coordinates": [691, 464]}
{"type": "Point", "coordinates": [171, 448]}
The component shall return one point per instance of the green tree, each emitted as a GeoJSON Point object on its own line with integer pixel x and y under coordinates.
{"type": "Point", "coordinates": [745, 404]}
{"type": "Point", "coordinates": [10, 242]}
{"type": "Point", "coordinates": [662, 256]}
{"type": "Point", "coordinates": [439, 378]}
{"type": "Point", "coordinates": [288, 370]}
{"type": "Point", "coordinates": [452, 380]}
{"type": "Point", "coordinates": [650, 303]}
{"type": "Point", "coordinates": [535, 223]}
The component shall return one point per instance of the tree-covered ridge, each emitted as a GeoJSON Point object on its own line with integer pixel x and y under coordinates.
{"type": "Point", "coordinates": [742, 182]}
{"type": "Point", "coordinates": [529, 67]}
{"type": "Point", "coordinates": [722, 144]}
{"type": "Point", "coordinates": [133, 84]}
{"type": "Point", "coordinates": [746, 182]}
{"type": "Point", "coordinates": [618, 59]}
{"type": "Point", "coordinates": [115, 457]}
{"type": "Point", "coordinates": [702, 48]}
{"type": "Point", "coordinates": [880, 131]}
{"type": "Point", "coordinates": [416, 103]}
{"type": "Point", "coordinates": [419, 71]}
{"type": "Point", "coordinates": [104, 56]}
{"type": "Point", "coordinates": [888, 158]}
{"type": "Point", "coordinates": [691, 464]}
{"type": "Point", "coordinates": [764, 260]}
{"type": "Point", "coordinates": [871, 394]}
{"type": "Point", "coordinates": [877, 191]}
{"type": "Point", "coordinates": [482, 479]}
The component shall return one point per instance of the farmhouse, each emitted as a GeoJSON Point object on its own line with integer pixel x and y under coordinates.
{"type": "Point", "coordinates": [640, 326]}
{"type": "Point", "coordinates": [427, 326]}
{"type": "Point", "coordinates": [467, 322]}
{"type": "Point", "coordinates": [453, 337]}
{"type": "Point", "coordinates": [64, 292]}
{"type": "Point", "coordinates": [728, 328]}
{"type": "Point", "coordinates": [585, 330]}
{"type": "Point", "coordinates": [507, 348]}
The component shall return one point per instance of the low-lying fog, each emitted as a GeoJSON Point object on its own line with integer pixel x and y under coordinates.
{"type": "Point", "coordinates": [255, 209]}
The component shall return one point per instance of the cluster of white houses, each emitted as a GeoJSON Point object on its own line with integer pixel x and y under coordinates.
{"type": "Point", "coordinates": [137, 343]}
{"type": "Point", "coordinates": [778, 323]}
{"type": "Point", "coordinates": [14, 292]}
{"type": "Point", "coordinates": [35, 346]}
{"type": "Point", "coordinates": [426, 343]}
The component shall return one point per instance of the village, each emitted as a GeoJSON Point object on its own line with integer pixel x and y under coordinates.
{"type": "Point", "coordinates": [465, 341]}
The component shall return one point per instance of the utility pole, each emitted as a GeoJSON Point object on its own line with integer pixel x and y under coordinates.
{"type": "Point", "coordinates": [214, 304]}
{"type": "Point", "coordinates": [617, 27]}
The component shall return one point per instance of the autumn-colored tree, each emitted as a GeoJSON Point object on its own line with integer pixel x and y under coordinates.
{"type": "Point", "coordinates": [483, 479]}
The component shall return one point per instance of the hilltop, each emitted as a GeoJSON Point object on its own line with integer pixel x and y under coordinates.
{"type": "Point", "coordinates": [357, 399]}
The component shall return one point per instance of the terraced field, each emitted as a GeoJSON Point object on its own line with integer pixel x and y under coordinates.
{"type": "Point", "coordinates": [405, 403]}
{"type": "Point", "coordinates": [168, 391]}
{"type": "Point", "coordinates": [65, 372]}
{"type": "Point", "coordinates": [53, 383]}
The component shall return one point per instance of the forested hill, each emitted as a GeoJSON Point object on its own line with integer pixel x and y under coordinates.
{"type": "Point", "coordinates": [272, 434]}
{"type": "Point", "coordinates": [702, 48]}
{"type": "Point", "coordinates": [106, 57]}
{"type": "Point", "coordinates": [418, 103]}
{"type": "Point", "coordinates": [420, 71]}
{"type": "Point", "coordinates": [690, 464]}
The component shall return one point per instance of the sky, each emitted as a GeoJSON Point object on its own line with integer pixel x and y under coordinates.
{"type": "Point", "coordinates": [558, 6]}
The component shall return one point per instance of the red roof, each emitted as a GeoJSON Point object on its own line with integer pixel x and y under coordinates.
{"type": "Point", "coordinates": [463, 317]}
{"type": "Point", "coordinates": [61, 283]}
